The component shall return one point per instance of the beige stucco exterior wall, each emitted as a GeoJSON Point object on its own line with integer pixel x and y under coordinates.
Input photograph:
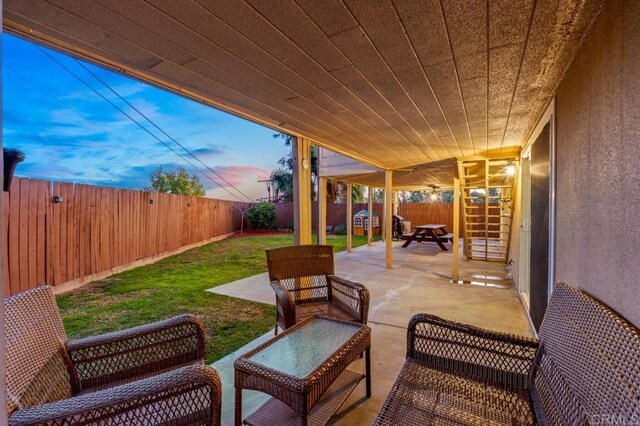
{"type": "Point", "coordinates": [598, 163]}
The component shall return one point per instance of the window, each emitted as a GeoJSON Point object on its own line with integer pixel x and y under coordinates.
{"type": "Point", "coordinates": [357, 221]}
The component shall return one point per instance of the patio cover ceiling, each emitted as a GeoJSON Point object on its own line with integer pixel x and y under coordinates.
{"type": "Point", "coordinates": [395, 84]}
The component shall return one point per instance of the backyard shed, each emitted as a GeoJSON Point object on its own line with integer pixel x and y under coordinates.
{"type": "Point", "coordinates": [361, 223]}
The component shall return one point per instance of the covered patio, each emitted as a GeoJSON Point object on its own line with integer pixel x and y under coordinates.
{"type": "Point", "coordinates": [419, 282]}
{"type": "Point", "coordinates": [448, 94]}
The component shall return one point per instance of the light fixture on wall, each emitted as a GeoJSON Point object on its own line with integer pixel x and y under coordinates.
{"type": "Point", "coordinates": [510, 169]}
{"type": "Point", "coordinates": [434, 195]}
{"type": "Point", "coordinates": [57, 199]}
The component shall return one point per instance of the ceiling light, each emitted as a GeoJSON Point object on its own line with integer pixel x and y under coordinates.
{"type": "Point", "coordinates": [510, 170]}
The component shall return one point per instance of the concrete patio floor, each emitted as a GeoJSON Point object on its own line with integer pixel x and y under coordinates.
{"type": "Point", "coordinates": [419, 282]}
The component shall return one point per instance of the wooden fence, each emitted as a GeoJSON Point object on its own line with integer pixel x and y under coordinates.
{"type": "Point", "coordinates": [416, 213]}
{"type": "Point", "coordinates": [96, 229]}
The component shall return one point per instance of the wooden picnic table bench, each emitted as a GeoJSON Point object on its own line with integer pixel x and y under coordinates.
{"type": "Point", "coordinates": [434, 233]}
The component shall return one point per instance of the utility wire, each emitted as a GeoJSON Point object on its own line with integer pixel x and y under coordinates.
{"type": "Point", "coordinates": [134, 121]}
{"type": "Point", "coordinates": [160, 129]}
{"type": "Point", "coordinates": [42, 89]}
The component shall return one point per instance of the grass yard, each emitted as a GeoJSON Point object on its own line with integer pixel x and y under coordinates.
{"type": "Point", "coordinates": [177, 285]}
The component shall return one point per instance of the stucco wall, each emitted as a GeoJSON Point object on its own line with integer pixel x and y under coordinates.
{"type": "Point", "coordinates": [598, 167]}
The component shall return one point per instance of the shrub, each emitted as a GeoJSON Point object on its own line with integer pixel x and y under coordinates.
{"type": "Point", "coordinates": [340, 229]}
{"type": "Point", "coordinates": [290, 226]}
{"type": "Point", "coordinates": [262, 216]}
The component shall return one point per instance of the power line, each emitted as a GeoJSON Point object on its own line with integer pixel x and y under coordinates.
{"type": "Point", "coordinates": [160, 129]}
{"type": "Point", "coordinates": [37, 86]}
{"type": "Point", "coordinates": [135, 122]}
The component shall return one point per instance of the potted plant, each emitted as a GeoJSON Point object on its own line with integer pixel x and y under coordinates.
{"type": "Point", "coordinates": [11, 159]}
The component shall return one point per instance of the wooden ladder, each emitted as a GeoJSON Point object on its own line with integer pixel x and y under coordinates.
{"type": "Point", "coordinates": [487, 203]}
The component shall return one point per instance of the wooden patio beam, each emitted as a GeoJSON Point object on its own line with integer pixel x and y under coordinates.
{"type": "Point", "coordinates": [349, 196]}
{"type": "Point", "coordinates": [370, 208]}
{"type": "Point", "coordinates": [456, 228]}
{"type": "Point", "coordinates": [388, 200]}
{"type": "Point", "coordinates": [322, 211]}
{"type": "Point", "coordinates": [396, 200]}
{"type": "Point", "coordinates": [301, 151]}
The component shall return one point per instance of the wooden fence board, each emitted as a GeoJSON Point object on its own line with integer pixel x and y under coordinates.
{"type": "Point", "coordinates": [24, 234]}
{"type": "Point", "coordinates": [95, 229]}
{"type": "Point", "coordinates": [14, 236]}
{"type": "Point", "coordinates": [33, 233]}
{"type": "Point", "coordinates": [41, 259]}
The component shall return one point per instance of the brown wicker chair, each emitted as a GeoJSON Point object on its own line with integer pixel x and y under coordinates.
{"type": "Point", "coordinates": [305, 285]}
{"type": "Point", "coordinates": [583, 370]}
{"type": "Point", "coordinates": [153, 374]}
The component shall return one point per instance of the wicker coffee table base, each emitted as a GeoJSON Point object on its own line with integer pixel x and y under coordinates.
{"type": "Point", "coordinates": [275, 412]}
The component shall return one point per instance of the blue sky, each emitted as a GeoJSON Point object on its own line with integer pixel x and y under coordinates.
{"type": "Point", "coordinates": [69, 133]}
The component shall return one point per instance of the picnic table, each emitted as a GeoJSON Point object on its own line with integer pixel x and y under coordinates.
{"type": "Point", "coordinates": [434, 233]}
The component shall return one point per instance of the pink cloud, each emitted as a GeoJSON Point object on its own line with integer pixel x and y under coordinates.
{"type": "Point", "coordinates": [237, 175]}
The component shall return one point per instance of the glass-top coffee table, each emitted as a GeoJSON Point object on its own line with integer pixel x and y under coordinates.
{"type": "Point", "coordinates": [305, 370]}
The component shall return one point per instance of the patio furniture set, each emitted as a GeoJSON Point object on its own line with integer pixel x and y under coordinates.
{"type": "Point", "coordinates": [584, 369]}
{"type": "Point", "coordinates": [429, 233]}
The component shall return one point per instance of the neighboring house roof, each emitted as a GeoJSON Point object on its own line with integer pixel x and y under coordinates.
{"type": "Point", "coordinates": [365, 213]}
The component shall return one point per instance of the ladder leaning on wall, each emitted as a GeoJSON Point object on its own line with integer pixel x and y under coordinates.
{"type": "Point", "coordinates": [487, 188]}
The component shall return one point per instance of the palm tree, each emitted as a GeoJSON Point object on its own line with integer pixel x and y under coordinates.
{"type": "Point", "coordinates": [282, 178]}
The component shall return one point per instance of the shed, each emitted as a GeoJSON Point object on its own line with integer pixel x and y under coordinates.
{"type": "Point", "coordinates": [361, 223]}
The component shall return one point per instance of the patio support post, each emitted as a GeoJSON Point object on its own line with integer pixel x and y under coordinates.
{"type": "Point", "coordinates": [396, 198]}
{"type": "Point", "coordinates": [383, 223]}
{"type": "Point", "coordinates": [301, 151]}
{"type": "Point", "coordinates": [322, 211]}
{"type": "Point", "coordinates": [456, 228]}
{"type": "Point", "coordinates": [370, 208]}
{"type": "Point", "coordinates": [388, 198]}
{"type": "Point", "coordinates": [349, 196]}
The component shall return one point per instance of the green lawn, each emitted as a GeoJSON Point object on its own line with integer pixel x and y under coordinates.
{"type": "Point", "coordinates": [176, 285]}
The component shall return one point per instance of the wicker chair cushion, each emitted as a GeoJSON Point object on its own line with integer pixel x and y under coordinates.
{"type": "Point", "coordinates": [326, 309]}
{"type": "Point", "coordinates": [36, 357]}
{"type": "Point", "coordinates": [426, 396]}
{"type": "Point", "coordinates": [590, 363]}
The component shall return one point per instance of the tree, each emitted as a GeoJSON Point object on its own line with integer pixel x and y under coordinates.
{"type": "Point", "coordinates": [178, 182]}
{"type": "Point", "coordinates": [282, 184]}
{"type": "Point", "coordinates": [282, 176]}
{"type": "Point", "coordinates": [357, 194]}
{"type": "Point", "coordinates": [378, 195]}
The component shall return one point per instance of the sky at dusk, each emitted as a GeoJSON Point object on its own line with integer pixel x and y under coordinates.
{"type": "Point", "coordinates": [70, 133]}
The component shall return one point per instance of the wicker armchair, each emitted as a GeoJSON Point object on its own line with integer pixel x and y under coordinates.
{"type": "Point", "coordinates": [583, 370]}
{"type": "Point", "coordinates": [153, 374]}
{"type": "Point", "coordinates": [305, 285]}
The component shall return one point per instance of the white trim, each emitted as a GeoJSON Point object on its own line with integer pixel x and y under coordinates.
{"type": "Point", "coordinates": [549, 116]}
{"type": "Point", "coordinates": [532, 328]}
{"type": "Point", "coordinates": [552, 199]}
{"type": "Point", "coordinates": [525, 227]}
